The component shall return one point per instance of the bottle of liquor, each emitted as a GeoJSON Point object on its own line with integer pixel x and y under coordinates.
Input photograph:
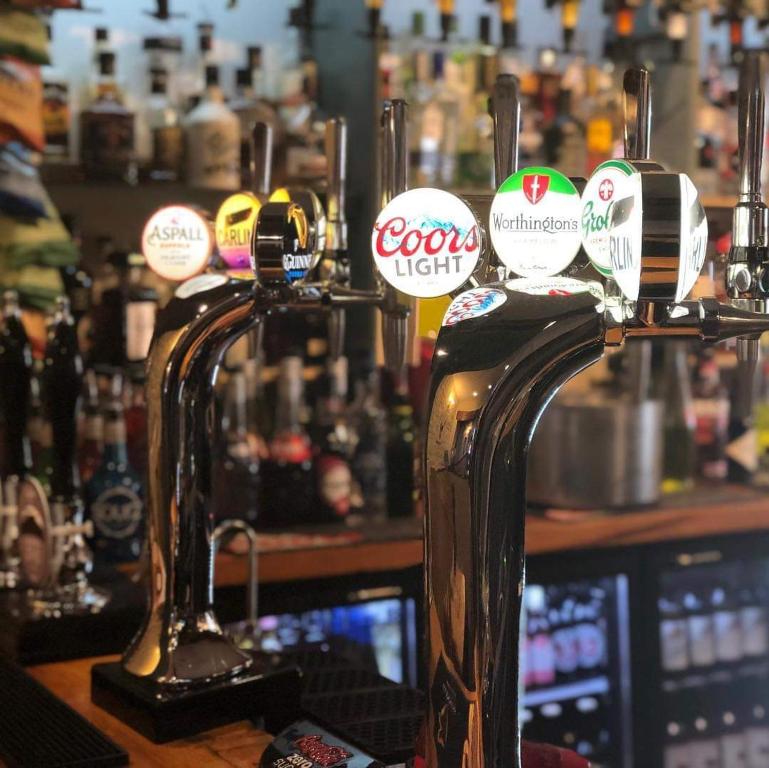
{"type": "Point", "coordinates": [700, 627]}
{"type": "Point", "coordinates": [213, 140]}
{"type": "Point", "coordinates": [238, 475]}
{"type": "Point", "coordinates": [114, 494]}
{"type": "Point", "coordinates": [679, 419]}
{"type": "Point", "coordinates": [92, 445]}
{"type": "Point", "coordinates": [165, 131]}
{"type": "Point", "coordinates": [674, 644]}
{"type": "Point", "coordinates": [61, 381]}
{"type": "Point", "coordinates": [15, 374]}
{"type": "Point", "coordinates": [334, 445]}
{"type": "Point", "coordinates": [369, 463]}
{"type": "Point", "coordinates": [711, 412]}
{"type": "Point", "coordinates": [107, 128]}
{"type": "Point", "coordinates": [57, 112]}
{"type": "Point", "coordinates": [400, 454]}
{"type": "Point", "coordinates": [288, 489]}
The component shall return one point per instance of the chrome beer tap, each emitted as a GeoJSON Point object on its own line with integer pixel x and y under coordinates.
{"type": "Point", "coordinates": [747, 276]}
{"type": "Point", "coordinates": [299, 262]}
{"type": "Point", "coordinates": [495, 369]}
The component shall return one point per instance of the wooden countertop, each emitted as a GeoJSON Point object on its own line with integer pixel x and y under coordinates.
{"type": "Point", "coordinates": [239, 745]}
{"type": "Point", "coordinates": [396, 545]}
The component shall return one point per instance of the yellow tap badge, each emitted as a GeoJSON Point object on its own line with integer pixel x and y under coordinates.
{"type": "Point", "coordinates": [234, 224]}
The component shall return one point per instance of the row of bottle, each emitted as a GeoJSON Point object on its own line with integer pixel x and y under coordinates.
{"type": "Point", "coordinates": [202, 139]}
{"type": "Point", "coordinates": [724, 729]}
{"type": "Point", "coordinates": [338, 460]}
{"type": "Point", "coordinates": [714, 617]}
{"type": "Point", "coordinates": [566, 634]}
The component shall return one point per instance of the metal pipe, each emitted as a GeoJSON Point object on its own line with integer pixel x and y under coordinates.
{"type": "Point", "coordinates": [636, 90]}
{"type": "Point", "coordinates": [252, 588]}
{"type": "Point", "coordinates": [750, 127]}
{"type": "Point", "coordinates": [261, 158]}
{"type": "Point", "coordinates": [505, 112]}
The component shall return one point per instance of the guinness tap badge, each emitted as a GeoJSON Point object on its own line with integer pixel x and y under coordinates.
{"type": "Point", "coordinates": [426, 242]}
{"type": "Point", "coordinates": [234, 225]}
{"type": "Point", "coordinates": [177, 242]}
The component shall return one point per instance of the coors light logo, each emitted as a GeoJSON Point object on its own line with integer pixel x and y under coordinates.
{"type": "Point", "coordinates": [426, 242]}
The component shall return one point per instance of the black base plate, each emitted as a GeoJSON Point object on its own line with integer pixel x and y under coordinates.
{"type": "Point", "coordinates": [270, 689]}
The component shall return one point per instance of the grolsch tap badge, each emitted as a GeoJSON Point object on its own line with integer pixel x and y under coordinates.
{"type": "Point", "coordinates": [234, 224]}
{"type": "Point", "coordinates": [177, 242]}
{"type": "Point", "coordinates": [535, 222]}
{"type": "Point", "coordinates": [426, 242]}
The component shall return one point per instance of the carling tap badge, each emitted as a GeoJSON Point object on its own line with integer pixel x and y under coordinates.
{"type": "Point", "coordinates": [535, 222]}
{"type": "Point", "coordinates": [426, 242]}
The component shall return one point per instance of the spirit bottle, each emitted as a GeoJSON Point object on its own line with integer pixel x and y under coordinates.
{"type": "Point", "coordinates": [288, 488]}
{"type": "Point", "coordinates": [213, 140]}
{"type": "Point", "coordinates": [107, 128]}
{"type": "Point", "coordinates": [114, 493]}
{"type": "Point", "coordinates": [711, 410]}
{"type": "Point", "coordinates": [165, 131]}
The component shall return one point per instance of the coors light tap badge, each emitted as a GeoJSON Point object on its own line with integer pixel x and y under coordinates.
{"type": "Point", "coordinates": [426, 242]}
{"type": "Point", "coordinates": [535, 222]}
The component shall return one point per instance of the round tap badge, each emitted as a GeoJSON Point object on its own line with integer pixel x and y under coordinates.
{"type": "Point", "coordinates": [555, 286]}
{"type": "Point", "coordinates": [426, 242]}
{"type": "Point", "coordinates": [535, 222]}
{"type": "Point", "coordinates": [600, 192]}
{"type": "Point", "coordinates": [177, 243]}
{"type": "Point", "coordinates": [473, 303]}
{"type": "Point", "coordinates": [234, 225]}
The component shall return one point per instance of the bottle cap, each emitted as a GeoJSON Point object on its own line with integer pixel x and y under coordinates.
{"type": "Point", "coordinates": [484, 29]}
{"type": "Point", "coordinates": [244, 78]}
{"type": "Point", "coordinates": [254, 56]}
{"type": "Point", "coordinates": [101, 34]}
{"type": "Point", "coordinates": [212, 75]}
{"type": "Point", "coordinates": [107, 63]}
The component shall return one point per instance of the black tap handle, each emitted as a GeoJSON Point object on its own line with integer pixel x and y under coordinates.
{"type": "Point", "coordinates": [394, 150]}
{"type": "Point", "coordinates": [261, 158]}
{"type": "Point", "coordinates": [505, 111]}
{"type": "Point", "coordinates": [638, 113]}
{"type": "Point", "coordinates": [61, 384]}
{"type": "Point", "coordinates": [336, 177]}
{"type": "Point", "coordinates": [750, 121]}
{"type": "Point", "coordinates": [15, 375]}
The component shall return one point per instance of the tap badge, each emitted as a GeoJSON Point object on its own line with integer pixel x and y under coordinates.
{"type": "Point", "coordinates": [473, 303]}
{"type": "Point", "coordinates": [600, 192]}
{"type": "Point", "coordinates": [117, 512]}
{"type": "Point", "coordinates": [234, 224]}
{"type": "Point", "coordinates": [426, 242]}
{"type": "Point", "coordinates": [177, 242]}
{"type": "Point", "coordinates": [534, 222]}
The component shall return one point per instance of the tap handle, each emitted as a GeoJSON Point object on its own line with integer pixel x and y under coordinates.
{"type": "Point", "coordinates": [638, 113]}
{"type": "Point", "coordinates": [394, 150]}
{"type": "Point", "coordinates": [336, 176]}
{"type": "Point", "coordinates": [261, 158]}
{"type": "Point", "coordinates": [505, 111]}
{"type": "Point", "coordinates": [751, 108]}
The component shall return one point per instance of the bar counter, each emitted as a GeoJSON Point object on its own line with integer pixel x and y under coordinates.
{"type": "Point", "coordinates": [395, 545]}
{"type": "Point", "coordinates": [239, 745]}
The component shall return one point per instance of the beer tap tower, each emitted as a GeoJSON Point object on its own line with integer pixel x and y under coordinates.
{"type": "Point", "coordinates": [494, 372]}
{"type": "Point", "coordinates": [182, 674]}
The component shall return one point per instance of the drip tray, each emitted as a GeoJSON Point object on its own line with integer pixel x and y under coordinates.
{"type": "Point", "coordinates": [270, 689]}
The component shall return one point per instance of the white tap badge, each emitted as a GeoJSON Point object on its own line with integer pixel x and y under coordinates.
{"type": "Point", "coordinates": [555, 286]}
{"type": "Point", "coordinates": [426, 242]}
{"type": "Point", "coordinates": [694, 238]}
{"type": "Point", "coordinates": [474, 303]}
{"type": "Point", "coordinates": [177, 243]}
{"type": "Point", "coordinates": [535, 222]}
{"type": "Point", "coordinates": [626, 235]}
{"type": "Point", "coordinates": [600, 192]}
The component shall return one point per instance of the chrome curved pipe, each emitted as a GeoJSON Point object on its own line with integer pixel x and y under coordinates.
{"type": "Point", "coordinates": [181, 642]}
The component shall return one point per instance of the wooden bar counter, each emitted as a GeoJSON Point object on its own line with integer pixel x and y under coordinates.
{"type": "Point", "coordinates": [239, 745]}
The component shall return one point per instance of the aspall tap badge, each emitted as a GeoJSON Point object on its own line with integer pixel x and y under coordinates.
{"type": "Point", "coordinates": [426, 242]}
{"type": "Point", "coordinates": [600, 192]}
{"type": "Point", "coordinates": [177, 242]}
{"type": "Point", "coordinates": [234, 224]}
{"type": "Point", "coordinates": [535, 222]}
{"type": "Point", "coordinates": [658, 236]}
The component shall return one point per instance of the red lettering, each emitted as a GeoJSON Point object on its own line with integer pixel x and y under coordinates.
{"type": "Point", "coordinates": [417, 237]}
{"type": "Point", "coordinates": [431, 245]}
{"type": "Point", "coordinates": [432, 242]}
{"type": "Point", "coordinates": [390, 227]}
{"type": "Point", "coordinates": [326, 755]}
